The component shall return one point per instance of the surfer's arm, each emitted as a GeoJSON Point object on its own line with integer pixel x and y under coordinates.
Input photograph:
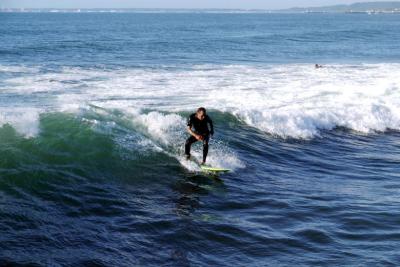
{"type": "Point", "coordinates": [189, 127]}
{"type": "Point", "coordinates": [192, 133]}
{"type": "Point", "coordinates": [211, 126]}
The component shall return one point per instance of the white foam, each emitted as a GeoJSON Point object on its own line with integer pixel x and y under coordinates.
{"type": "Point", "coordinates": [24, 120]}
{"type": "Point", "coordinates": [12, 69]}
{"type": "Point", "coordinates": [166, 128]}
{"type": "Point", "coordinates": [294, 100]}
{"type": "Point", "coordinates": [298, 101]}
{"type": "Point", "coordinates": [220, 156]}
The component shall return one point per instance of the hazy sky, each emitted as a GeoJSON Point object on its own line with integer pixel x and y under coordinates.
{"type": "Point", "coordinates": [262, 4]}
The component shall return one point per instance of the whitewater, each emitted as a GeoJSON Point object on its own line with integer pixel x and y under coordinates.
{"type": "Point", "coordinates": [287, 101]}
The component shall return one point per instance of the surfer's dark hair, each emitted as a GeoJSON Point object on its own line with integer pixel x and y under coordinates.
{"type": "Point", "coordinates": [202, 109]}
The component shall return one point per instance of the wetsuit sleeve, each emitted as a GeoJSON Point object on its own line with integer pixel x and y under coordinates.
{"type": "Point", "coordinates": [190, 122]}
{"type": "Point", "coordinates": [210, 122]}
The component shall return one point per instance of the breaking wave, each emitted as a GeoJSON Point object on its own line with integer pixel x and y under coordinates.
{"type": "Point", "coordinates": [292, 100]}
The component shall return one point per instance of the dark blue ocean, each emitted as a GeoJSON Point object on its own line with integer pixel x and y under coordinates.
{"type": "Point", "coordinates": [93, 110]}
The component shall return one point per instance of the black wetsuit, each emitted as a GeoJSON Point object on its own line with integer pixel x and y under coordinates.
{"type": "Point", "coordinates": [201, 128]}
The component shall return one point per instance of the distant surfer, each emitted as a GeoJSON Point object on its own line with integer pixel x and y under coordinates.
{"type": "Point", "coordinates": [318, 66]}
{"type": "Point", "coordinates": [200, 128]}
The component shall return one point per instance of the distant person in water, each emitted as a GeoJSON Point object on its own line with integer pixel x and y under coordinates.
{"type": "Point", "coordinates": [318, 66]}
{"type": "Point", "coordinates": [200, 128]}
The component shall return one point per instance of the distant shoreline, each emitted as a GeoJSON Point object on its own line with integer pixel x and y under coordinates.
{"type": "Point", "coordinates": [200, 11]}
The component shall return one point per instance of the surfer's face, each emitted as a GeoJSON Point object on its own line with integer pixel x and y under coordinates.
{"type": "Point", "coordinates": [201, 115]}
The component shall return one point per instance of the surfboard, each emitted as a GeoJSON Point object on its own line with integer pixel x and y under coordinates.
{"type": "Point", "coordinates": [213, 170]}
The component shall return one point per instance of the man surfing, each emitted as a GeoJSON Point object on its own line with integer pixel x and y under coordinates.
{"type": "Point", "coordinates": [200, 128]}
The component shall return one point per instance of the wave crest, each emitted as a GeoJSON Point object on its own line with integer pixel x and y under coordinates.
{"type": "Point", "coordinates": [294, 100]}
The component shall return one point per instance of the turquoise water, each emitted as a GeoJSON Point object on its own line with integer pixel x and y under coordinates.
{"type": "Point", "coordinates": [92, 126]}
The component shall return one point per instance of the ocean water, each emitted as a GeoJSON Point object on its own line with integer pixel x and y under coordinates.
{"type": "Point", "coordinates": [92, 125]}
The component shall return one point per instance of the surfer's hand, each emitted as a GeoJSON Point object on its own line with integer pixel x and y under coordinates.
{"type": "Point", "coordinates": [199, 137]}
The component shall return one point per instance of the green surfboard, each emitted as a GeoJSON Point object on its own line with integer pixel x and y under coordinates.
{"type": "Point", "coordinates": [214, 170]}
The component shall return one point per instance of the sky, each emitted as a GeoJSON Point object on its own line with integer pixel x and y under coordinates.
{"type": "Point", "coordinates": [228, 4]}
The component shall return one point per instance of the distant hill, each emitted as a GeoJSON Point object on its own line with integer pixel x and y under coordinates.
{"type": "Point", "coordinates": [362, 7]}
{"type": "Point", "coordinates": [386, 7]}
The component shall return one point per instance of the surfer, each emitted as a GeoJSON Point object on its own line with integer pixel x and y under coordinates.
{"type": "Point", "coordinates": [200, 128]}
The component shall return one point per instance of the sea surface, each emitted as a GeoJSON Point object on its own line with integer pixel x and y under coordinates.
{"type": "Point", "coordinates": [93, 109]}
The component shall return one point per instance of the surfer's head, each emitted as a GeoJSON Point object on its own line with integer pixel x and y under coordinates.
{"type": "Point", "coordinates": [201, 113]}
